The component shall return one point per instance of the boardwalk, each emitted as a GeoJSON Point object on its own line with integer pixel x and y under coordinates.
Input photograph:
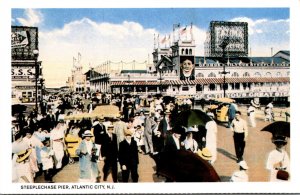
{"type": "Point", "coordinates": [257, 148]}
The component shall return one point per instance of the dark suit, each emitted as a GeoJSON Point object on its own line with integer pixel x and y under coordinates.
{"type": "Point", "coordinates": [128, 156]}
{"type": "Point", "coordinates": [109, 150]}
{"type": "Point", "coordinates": [99, 133]}
{"type": "Point", "coordinates": [170, 144]}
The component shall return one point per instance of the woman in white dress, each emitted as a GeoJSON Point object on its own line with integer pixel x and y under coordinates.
{"type": "Point", "coordinates": [278, 159]}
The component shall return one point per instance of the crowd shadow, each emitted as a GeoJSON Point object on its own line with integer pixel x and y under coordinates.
{"type": "Point", "coordinates": [227, 154]}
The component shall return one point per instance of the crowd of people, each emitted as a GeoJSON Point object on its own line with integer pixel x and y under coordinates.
{"type": "Point", "coordinates": [143, 125]}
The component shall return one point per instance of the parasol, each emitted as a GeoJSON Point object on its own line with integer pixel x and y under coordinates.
{"type": "Point", "coordinates": [185, 166]}
{"type": "Point", "coordinates": [278, 128]}
{"type": "Point", "coordinates": [192, 117]}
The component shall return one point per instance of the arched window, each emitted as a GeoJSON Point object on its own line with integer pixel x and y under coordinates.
{"type": "Point", "coordinates": [186, 51]}
{"type": "Point", "coordinates": [235, 74]}
{"type": "Point", "coordinates": [212, 87]}
{"type": "Point", "coordinates": [182, 51]}
{"type": "Point", "coordinates": [268, 74]}
{"type": "Point", "coordinates": [246, 74]}
{"type": "Point", "coordinates": [257, 74]}
{"type": "Point", "coordinates": [200, 74]}
{"type": "Point", "coordinates": [190, 52]}
{"type": "Point", "coordinates": [212, 74]}
{"type": "Point", "coordinates": [278, 74]}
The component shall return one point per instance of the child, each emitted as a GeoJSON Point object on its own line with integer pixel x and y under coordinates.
{"type": "Point", "coordinates": [24, 171]}
{"type": "Point", "coordinates": [139, 137]}
{"type": "Point", "coordinates": [47, 160]}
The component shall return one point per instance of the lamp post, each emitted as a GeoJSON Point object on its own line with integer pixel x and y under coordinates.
{"type": "Point", "coordinates": [223, 45]}
{"type": "Point", "coordinates": [129, 83]}
{"type": "Point", "coordinates": [160, 87]}
{"type": "Point", "coordinates": [36, 54]}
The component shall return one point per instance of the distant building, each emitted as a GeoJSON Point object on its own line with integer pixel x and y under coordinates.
{"type": "Point", "coordinates": [264, 78]}
{"type": "Point", "coordinates": [78, 82]}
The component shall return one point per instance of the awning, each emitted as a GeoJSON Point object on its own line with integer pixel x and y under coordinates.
{"type": "Point", "coordinates": [204, 81]}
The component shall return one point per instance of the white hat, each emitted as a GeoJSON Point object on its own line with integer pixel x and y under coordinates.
{"type": "Point", "coordinates": [243, 164]}
{"type": "Point", "coordinates": [192, 129]}
{"type": "Point", "coordinates": [87, 133]}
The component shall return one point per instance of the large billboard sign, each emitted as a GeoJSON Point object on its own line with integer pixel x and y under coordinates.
{"type": "Point", "coordinates": [23, 41]}
{"type": "Point", "coordinates": [187, 68]}
{"type": "Point", "coordinates": [234, 33]}
{"type": "Point", "coordinates": [22, 72]}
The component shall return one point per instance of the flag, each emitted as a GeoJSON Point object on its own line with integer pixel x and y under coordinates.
{"type": "Point", "coordinates": [183, 31]}
{"type": "Point", "coordinates": [164, 39]}
{"type": "Point", "coordinates": [176, 26]}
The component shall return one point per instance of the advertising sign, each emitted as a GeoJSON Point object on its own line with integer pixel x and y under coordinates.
{"type": "Point", "coordinates": [23, 41]}
{"type": "Point", "coordinates": [22, 72]}
{"type": "Point", "coordinates": [187, 68]}
{"type": "Point", "coordinates": [236, 34]}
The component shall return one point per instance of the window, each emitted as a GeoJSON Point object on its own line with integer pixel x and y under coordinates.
{"type": "Point", "coordinates": [268, 74]}
{"type": "Point", "coordinates": [212, 74]}
{"type": "Point", "coordinates": [190, 52]}
{"type": "Point", "coordinates": [257, 74]}
{"type": "Point", "coordinates": [182, 51]}
{"type": "Point", "coordinates": [246, 74]}
{"type": "Point", "coordinates": [278, 74]}
{"type": "Point", "coordinates": [200, 74]}
{"type": "Point", "coordinates": [186, 51]}
{"type": "Point", "coordinates": [185, 88]}
{"type": "Point", "coordinates": [199, 87]}
{"type": "Point", "coordinates": [235, 74]}
{"type": "Point", "coordinates": [212, 87]}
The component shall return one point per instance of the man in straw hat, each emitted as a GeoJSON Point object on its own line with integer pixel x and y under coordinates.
{"type": "Point", "coordinates": [22, 166]}
{"type": "Point", "coordinates": [128, 157]}
{"type": "Point", "coordinates": [87, 161]}
{"type": "Point", "coordinates": [99, 131]}
{"type": "Point", "coordinates": [119, 128]}
{"type": "Point", "coordinates": [109, 152]}
{"type": "Point", "coordinates": [240, 175]}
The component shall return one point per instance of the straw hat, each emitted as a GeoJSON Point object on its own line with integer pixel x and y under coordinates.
{"type": "Point", "coordinates": [127, 132]}
{"type": "Point", "coordinates": [205, 154]}
{"type": "Point", "coordinates": [23, 155]}
{"type": "Point", "coordinates": [87, 133]}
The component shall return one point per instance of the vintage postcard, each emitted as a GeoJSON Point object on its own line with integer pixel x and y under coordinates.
{"type": "Point", "coordinates": [185, 97]}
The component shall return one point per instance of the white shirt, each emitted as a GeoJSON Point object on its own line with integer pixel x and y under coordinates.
{"type": "Point", "coordinates": [275, 157]}
{"type": "Point", "coordinates": [176, 142]}
{"type": "Point", "coordinates": [240, 126]}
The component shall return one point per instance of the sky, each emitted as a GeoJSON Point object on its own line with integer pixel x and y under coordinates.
{"type": "Point", "coordinates": [127, 34]}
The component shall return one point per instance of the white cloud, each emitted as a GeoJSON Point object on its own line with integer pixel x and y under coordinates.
{"type": "Point", "coordinates": [265, 33]}
{"type": "Point", "coordinates": [32, 18]}
{"type": "Point", "coordinates": [128, 41]}
{"type": "Point", "coordinates": [97, 42]}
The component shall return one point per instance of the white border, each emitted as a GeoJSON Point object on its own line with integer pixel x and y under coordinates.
{"type": "Point", "coordinates": [254, 187]}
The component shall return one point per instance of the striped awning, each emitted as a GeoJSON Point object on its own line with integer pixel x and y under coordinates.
{"type": "Point", "coordinates": [204, 81]}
